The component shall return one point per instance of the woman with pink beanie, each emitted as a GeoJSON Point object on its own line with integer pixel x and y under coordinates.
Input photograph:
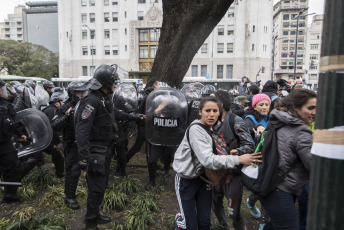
{"type": "Point", "coordinates": [256, 119]}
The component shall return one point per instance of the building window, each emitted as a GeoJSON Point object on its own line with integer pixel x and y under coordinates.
{"type": "Point", "coordinates": [83, 2]}
{"type": "Point", "coordinates": [125, 31]}
{"type": "Point", "coordinates": [92, 2]}
{"type": "Point", "coordinates": [84, 34]}
{"type": "Point", "coordinates": [125, 14]}
{"type": "Point", "coordinates": [285, 32]}
{"type": "Point", "coordinates": [140, 15]}
{"type": "Point", "coordinates": [84, 71]}
{"type": "Point", "coordinates": [293, 32]}
{"type": "Point", "coordinates": [204, 48]}
{"type": "Point", "coordinates": [230, 14]}
{"type": "Point", "coordinates": [153, 1]}
{"type": "Point", "coordinates": [285, 16]}
{"type": "Point", "coordinates": [153, 50]}
{"type": "Point", "coordinates": [143, 52]}
{"type": "Point", "coordinates": [141, 1]}
{"type": "Point", "coordinates": [314, 46]}
{"type": "Point", "coordinates": [93, 50]}
{"type": "Point", "coordinates": [114, 33]}
{"type": "Point", "coordinates": [93, 34]}
{"type": "Point", "coordinates": [221, 30]}
{"type": "Point", "coordinates": [313, 76]}
{"type": "Point", "coordinates": [106, 2]}
{"type": "Point", "coordinates": [114, 50]}
{"type": "Point", "coordinates": [220, 48]}
{"type": "Point", "coordinates": [125, 47]}
{"type": "Point", "coordinates": [229, 47]}
{"type": "Point", "coordinates": [154, 35]}
{"type": "Point", "coordinates": [106, 50]}
{"type": "Point", "coordinates": [264, 47]}
{"type": "Point", "coordinates": [83, 18]}
{"type": "Point", "coordinates": [204, 70]}
{"type": "Point", "coordinates": [107, 17]}
{"type": "Point", "coordinates": [253, 28]}
{"type": "Point", "coordinates": [229, 71]}
{"type": "Point", "coordinates": [194, 70]}
{"type": "Point", "coordinates": [252, 47]}
{"type": "Point", "coordinates": [115, 16]}
{"type": "Point", "coordinates": [114, 2]}
{"type": "Point", "coordinates": [314, 56]}
{"type": "Point", "coordinates": [84, 50]}
{"type": "Point", "coordinates": [107, 34]}
{"type": "Point", "coordinates": [219, 71]}
{"type": "Point", "coordinates": [230, 30]}
{"type": "Point", "coordinates": [143, 35]}
{"type": "Point", "coordinates": [92, 17]}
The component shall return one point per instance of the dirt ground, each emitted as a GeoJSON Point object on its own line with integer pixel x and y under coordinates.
{"type": "Point", "coordinates": [137, 168]}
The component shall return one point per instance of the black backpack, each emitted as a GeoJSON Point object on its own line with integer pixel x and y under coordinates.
{"type": "Point", "coordinates": [264, 178]}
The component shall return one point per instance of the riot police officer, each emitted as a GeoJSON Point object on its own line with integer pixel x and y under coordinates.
{"type": "Point", "coordinates": [8, 154]}
{"type": "Point", "coordinates": [48, 86]}
{"type": "Point", "coordinates": [95, 134]}
{"type": "Point", "coordinates": [55, 147]}
{"type": "Point", "coordinates": [64, 120]}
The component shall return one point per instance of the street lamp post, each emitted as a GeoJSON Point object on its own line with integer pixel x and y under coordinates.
{"type": "Point", "coordinates": [273, 57]}
{"type": "Point", "coordinates": [91, 47]}
{"type": "Point", "coordinates": [297, 32]}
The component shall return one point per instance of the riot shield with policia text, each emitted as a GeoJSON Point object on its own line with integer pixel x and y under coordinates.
{"type": "Point", "coordinates": [166, 117]}
{"type": "Point", "coordinates": [37, 129]}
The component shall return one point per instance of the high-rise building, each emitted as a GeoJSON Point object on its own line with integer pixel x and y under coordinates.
{"type": "Point", "coordinates": [127, 33]}
{"type": "Point", "coordinates": [289, 24]}
{"type": "Point", "coordinates": [40, 24]}
{"type": "Point", "coordinates": [313, 48]}
{"type": "Point", "coordinates": [12, 27]}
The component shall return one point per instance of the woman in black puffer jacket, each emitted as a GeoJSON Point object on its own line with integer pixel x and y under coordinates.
{"type": "Point", "coordinates": [294, 144]}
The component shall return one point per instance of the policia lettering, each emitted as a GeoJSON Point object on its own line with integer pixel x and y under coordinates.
{"type": "Point", "coordinates": [166, 122]}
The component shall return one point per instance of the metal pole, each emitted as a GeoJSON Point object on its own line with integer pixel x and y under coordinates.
{"type": "Point", "coordinates": [91, 47]}
{"type": "Point", "coordinates": [297, 31]}
{"type": "Point", "coordinates": [273, 58]}
{"type": "Point", "coordinates": [325, 205]}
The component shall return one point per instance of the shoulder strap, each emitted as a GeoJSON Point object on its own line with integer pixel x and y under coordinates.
{"type": "Point", "coordinates": [231, 124]}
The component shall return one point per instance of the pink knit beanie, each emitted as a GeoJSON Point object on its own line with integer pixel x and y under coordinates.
{"type": "Point", "coordinates": [260, 97]}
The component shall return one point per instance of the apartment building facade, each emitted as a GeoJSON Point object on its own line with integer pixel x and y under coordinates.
{"type": "Point", "coordinates": [289, 39]}
{"type": "Point", "coordinates": [12, 27]}
{"type": "Point", "coordinates": [127, 33]}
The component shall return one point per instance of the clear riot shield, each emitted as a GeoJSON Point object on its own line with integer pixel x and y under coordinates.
{"type": "Point", "coordinates": [29, 99]}
{"type": "Point", "coordinates": [42, 96]}
{"type": "Point", "coordinates": [192, 91]}
{"type": "Point", "coordinates": [166, 117]}
{"type": "Point", "coordinates": [37, 129]}
{"type": "Point", "coordinates": [125, 99]}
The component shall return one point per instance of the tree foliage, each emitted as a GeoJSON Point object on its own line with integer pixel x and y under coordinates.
{"type": "Point", "coordinates": [185, 26]}
{"type": "Point", "coordinates": [27, 59]}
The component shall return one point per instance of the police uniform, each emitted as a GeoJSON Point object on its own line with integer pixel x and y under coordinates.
{"type": "Point", "coordinates": [8, 154]}
{"type": "Point", "coordinates": [95, 134]}
{"type": "Point", "coordinates": [56, 156]}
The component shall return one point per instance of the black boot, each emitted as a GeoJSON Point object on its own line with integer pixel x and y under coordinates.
{"type": "Point", "coordinates": [152, 176]}
{"type": "Point", "coordinates": [71, 184]}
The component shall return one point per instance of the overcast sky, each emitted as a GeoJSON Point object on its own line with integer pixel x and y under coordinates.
{"type": "Point", "coordinates": [7, 6]}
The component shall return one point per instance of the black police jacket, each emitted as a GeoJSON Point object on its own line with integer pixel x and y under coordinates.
{"type": "Point", "coordinates": [8, 126]}
{"type": "Point", "coordinates": [95, 123]}
{"type": "Point", "coordinates": [50, 113]}
{"type": "Point", "coordinates": [64, 122]}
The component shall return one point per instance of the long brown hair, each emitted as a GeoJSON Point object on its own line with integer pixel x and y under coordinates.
{"type": "Point", "coordinates": [295, 99]}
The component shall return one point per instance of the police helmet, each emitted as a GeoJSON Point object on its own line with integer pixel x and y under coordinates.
{"type": "Point", "coordinates": [207, 90]}
{"type": "Point", "coordinates": [56, 97]}
{"type": "Point", "coordinates": [10, 89]}
{"type": "Point", "coordinates": [15, 83]}
{"type": "Point", "coordinates": [57, 90]}
{"type": "Point", "coordinates": [105, 75]}
{"type": "Point", "coordinates": [48, 84]}
{"type": "Point", "coordinates": [31, 83]}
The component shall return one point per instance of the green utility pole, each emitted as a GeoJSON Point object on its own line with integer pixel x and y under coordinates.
{"type": "Point", "coordinates": [326, 200]}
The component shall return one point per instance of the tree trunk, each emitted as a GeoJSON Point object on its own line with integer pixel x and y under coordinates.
{"type": "Point", "coordinates": [185, 26]}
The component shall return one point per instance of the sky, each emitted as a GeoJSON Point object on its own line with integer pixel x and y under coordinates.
{"type": "Point", "coordinates": [7, 7]}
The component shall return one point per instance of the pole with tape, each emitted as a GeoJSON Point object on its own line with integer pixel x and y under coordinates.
{"type": "Point", "coordinates": [326, 199]}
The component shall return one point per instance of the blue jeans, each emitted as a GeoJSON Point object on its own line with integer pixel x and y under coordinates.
{"type": "Point", "coordinates": [281, 208]}
{"type": "Point", "coordinates": [195, 203]}
{"type": "Point", "coordinates": [303, 202]}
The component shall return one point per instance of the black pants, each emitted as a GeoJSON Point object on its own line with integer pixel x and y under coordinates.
{"type": "Point", "coordinates": [121, 150]}
{"type": "Point", "coordinates": [9, 170]}
{"type": "Point", "coordinates": [57, 159]}
{"type": "Point", "coordinates": [96, 183]}
{"type": "Point", "coordinates": [140, 140]}
{"type": "Point", "coordinates": [72, 169]}
{"type": "Point", "coordinates": [27, 163]}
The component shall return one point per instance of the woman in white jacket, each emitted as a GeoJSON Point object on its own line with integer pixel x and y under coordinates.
{"type": "Point", "coordinates": [192, 191]}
